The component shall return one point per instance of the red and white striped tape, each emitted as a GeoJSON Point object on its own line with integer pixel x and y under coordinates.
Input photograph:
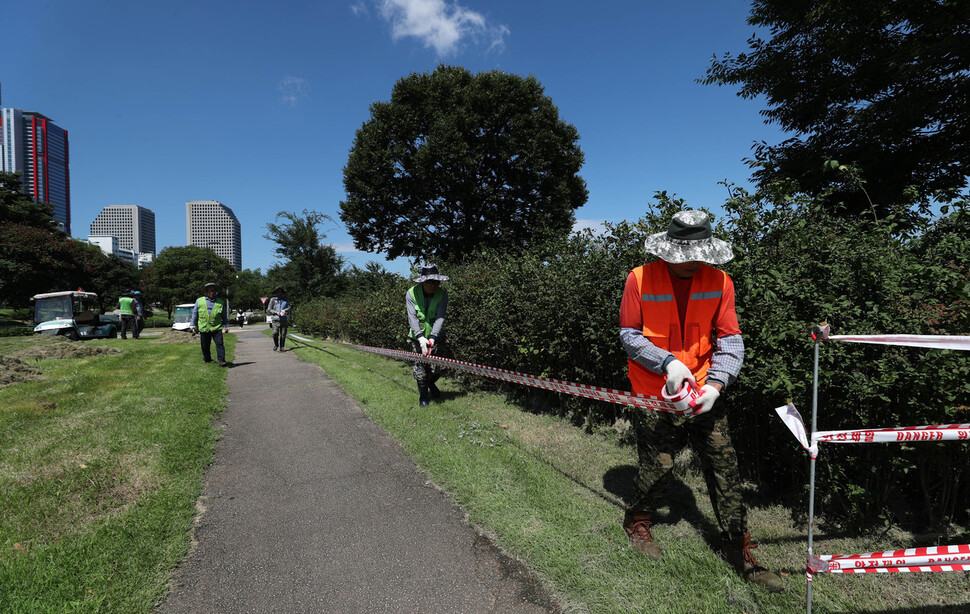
{"type": "Point", "coordinates": [943, 342]}
{"type": "Point", "coordinates": [582, 390]}
{"type": "Point", "coordinates": [933, 432]}
{"type": "Point", "coordinates": [933, 558]}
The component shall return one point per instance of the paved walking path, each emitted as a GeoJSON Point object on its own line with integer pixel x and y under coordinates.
{"type": "Point", "coordinates": [311, 507]}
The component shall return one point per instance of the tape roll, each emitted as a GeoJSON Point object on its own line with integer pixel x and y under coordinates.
{"type": "Point", "coordinates": [684, 399]}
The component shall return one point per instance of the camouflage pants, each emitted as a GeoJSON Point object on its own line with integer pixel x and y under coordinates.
{"type": "Point", "coordinates": [661, 435]}
{"type": "Point", "coordinates": [426, 373]}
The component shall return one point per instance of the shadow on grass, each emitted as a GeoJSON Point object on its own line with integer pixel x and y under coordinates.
{"type": "Point", "coordinates": [680, 500]}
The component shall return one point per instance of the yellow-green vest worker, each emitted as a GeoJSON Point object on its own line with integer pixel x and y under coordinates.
{"type": "Point", "coordinates": [125, 302]}
{"type": "Point", "coordinates": [210, 321]}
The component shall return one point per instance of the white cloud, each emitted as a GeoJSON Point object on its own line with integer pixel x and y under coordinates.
{"type": "Point", "coordinates": [440, 25]}
{"type": "Point", "coordinates": [293, 90]}
{"type": "Point", "coordinates": [358, 8]}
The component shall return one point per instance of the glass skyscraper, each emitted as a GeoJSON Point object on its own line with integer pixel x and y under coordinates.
{"type": "Point", "coordinates": [34, 146]}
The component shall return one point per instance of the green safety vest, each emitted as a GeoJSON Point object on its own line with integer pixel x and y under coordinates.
{"type": "Point", "coordinates": [210, 321]}
{"type": "Point", "coordinates": [425, 318]}
{"type": "Point", "coordinates": [126, 308]}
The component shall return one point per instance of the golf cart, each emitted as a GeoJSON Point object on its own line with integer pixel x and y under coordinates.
{"type": "Point", "coordinates": [74, 315]}
{"type": "Point", "coordinates": [182, 316]}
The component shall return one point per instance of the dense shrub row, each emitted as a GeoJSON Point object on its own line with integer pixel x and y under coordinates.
{"type": "Point", "coordinates": [554, 313]}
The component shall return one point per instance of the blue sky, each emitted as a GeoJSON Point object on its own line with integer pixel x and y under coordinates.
{"type": "Point", "coordinates": [255, 103]}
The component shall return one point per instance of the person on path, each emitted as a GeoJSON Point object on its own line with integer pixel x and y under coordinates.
{"type": "Point", "coordinates": [679, 327]}
{"type": "Point", "coordinates": [426, 304]}
{"type": "Point", "coordinates": [139, 306]}
{"type": "Point", "coordinates": [210, 319]}
{"type": "Point", "coordinates": [279, 316]}
{"type": "Point", "coordinates": [126, 304]}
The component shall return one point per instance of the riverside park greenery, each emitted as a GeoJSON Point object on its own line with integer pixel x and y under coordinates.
{"type": "Point", "coordinates": [102, 464]}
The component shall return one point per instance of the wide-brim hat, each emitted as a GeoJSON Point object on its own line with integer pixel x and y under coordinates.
{"type": "Point", "coordinates": [430, 273]}
{"type": "Point", "coordinates": [279, 289]}
{"type": "Point", "coordinates": [689, 238]}
{"type": "Point", "coordinates": [210, 285]}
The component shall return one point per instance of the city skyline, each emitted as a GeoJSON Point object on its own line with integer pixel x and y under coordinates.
{"type": "Point", "coordinates": [261, 110]}
{"type": "Point", "coordinates": [209, 223]}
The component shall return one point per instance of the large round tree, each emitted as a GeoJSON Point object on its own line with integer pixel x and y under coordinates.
{"type": "Point", "coordinates": [457, 161]}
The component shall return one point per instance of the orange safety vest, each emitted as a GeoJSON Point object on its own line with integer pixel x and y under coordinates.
{"type": "Point", "coordinates": [661, 322]}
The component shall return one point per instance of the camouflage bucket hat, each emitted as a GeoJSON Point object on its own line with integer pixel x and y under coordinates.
{"type": "Point", "coordinates": [429, 272]}
{"type": "Point", "coordinates": [688, 238]}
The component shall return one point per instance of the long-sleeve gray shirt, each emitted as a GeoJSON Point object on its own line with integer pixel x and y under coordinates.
{"type": "Point", "coordinates": [439, 316]}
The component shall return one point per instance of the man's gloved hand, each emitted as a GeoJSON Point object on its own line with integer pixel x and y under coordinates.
{"type": "Point", "coordinates": [677, 374]}
{"type": "Point", "coordinates": [430, 347]}
{"type": "Point", "coordinates": [705, 400]}
{"type": "Point", "coordinates": [193, 330]}
{"type": "Point", "coordinates": [424, 345]}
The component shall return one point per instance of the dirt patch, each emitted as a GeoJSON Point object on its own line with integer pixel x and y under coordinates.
{"type": "Point", "coordinates": [177, 336]}
{"type": "Point", "coordinates": [13, 370]}
{"type": "Point", "coordinates": [64, 349]}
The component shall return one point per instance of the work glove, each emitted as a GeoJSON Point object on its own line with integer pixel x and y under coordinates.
{"type": "Point", "coordinates": [424, 345]}
{"type": "Point", "coordinates": [677, 374]}
{"type": "Point", "coordinates": [430, 346]}
{"type": "Point", "coordinates": [705, 399]}
{"type": "Point", "coordinates": [194, 330]}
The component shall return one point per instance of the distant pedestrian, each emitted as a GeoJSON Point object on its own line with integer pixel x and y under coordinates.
{"type": "Point", "coordinates": [426, 303]}
{"type": "Point", "coordinates": [279, 316]}
{"type": "Point", "coordinates": [126, 304]}
{"type": "Point", "coordinates": [139, 305]}
{"type": "Point", "coordinates": [210, 319]}
{"type": "Point", "coordinates": [240, 319]}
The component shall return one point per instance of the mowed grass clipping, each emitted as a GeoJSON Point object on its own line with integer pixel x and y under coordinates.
{"type": "Point", "coordinates": [101, 463]}
{"type": "Point", "coordinates": [553, 495]}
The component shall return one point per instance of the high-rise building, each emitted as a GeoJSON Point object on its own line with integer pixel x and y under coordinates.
{"type": "Point", "coordinates": [133, 226]}
{"type": "Point", "coordinates": [34, 146]}
{"type": "Point", "coordinates": [209, 223]}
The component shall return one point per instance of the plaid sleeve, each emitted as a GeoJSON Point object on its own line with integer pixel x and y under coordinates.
{"type": "Point", "coordinates": [727, 360]}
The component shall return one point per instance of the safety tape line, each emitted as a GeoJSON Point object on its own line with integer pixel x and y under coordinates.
{"type": "Point", "coordinates": [933, 432]}
{"type": "Point", "coordinates": [591, 392]}
{"type": "Point", "coordinates": [943, 342]}
{"type": "Point", "coordinates": [932, 558]}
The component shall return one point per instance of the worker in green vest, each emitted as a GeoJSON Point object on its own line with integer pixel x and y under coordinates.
{"type": "Point", "coordinates": [426, 303]}
{"type": "Point", "coordinates": [210, 319]}
{"type": "Point", "coordinates": [127, 306]}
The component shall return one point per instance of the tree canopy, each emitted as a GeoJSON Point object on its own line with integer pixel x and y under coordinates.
{"type": "Point", "coordinates": [309, 267]}
{"type": "Point", "coordinates": [882, 87]}
{"type": "Point", "coordinates": [178, 274]}
{"type": "Point", "coordinates": [18, 208]}
{"type": "Point", "coordinates": [457, 161]}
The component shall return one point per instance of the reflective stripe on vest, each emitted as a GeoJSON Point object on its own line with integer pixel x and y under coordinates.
{"type": "Point", "coordinates": [210, 321]}
{"type": "Point", "coordinates": [425, 318]}
{"type": "Point", "coordinates": [662, 326]}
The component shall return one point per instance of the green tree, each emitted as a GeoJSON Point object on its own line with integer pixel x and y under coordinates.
{"type": "Point", "coordinates": [178, 274]}
{"type": "Point", "coordinates": [309, 267]}
{"type": "Point", "coordinates": [35, 260]}
{"type": "Point", "coordinates": [246, 288]}
{"type": "Point", "coordinates": [18, 208]}
{"type": "Point", "coordinates": [111, 277]}
{"type": "Point", "coordinates": [458, 161]}
{"type": "Point", "coordinates": [880, 86]}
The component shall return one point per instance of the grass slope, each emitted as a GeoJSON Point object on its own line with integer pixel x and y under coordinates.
{"type": "Point", "coordinates": [553, 495]}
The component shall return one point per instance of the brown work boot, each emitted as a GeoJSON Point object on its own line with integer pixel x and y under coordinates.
{"type": "Point", "coordinates": [738, 554]}
{"type": "Point", "coordinates": [637, 527]}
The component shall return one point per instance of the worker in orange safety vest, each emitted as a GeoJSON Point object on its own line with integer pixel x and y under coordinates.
{"type": "Point", "coordinates": [679, 327]}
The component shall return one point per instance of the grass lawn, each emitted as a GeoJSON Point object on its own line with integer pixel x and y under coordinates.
{"type": "Point", "coordinates": [103, 445]}
{"type": "Point", "coordinates": [101, 463]}
{"type": "Point", "coordinates": [553, 496]}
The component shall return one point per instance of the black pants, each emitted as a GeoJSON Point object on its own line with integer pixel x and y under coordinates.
{"type": "Point", "coordinates": [207, 339]}
{"type": "Point", "coordinates": [126, 323]}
